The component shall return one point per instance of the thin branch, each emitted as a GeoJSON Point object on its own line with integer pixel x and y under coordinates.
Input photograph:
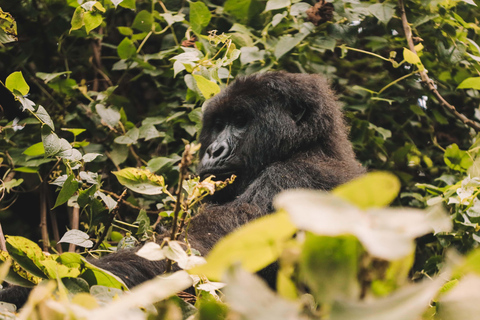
{"type": "Point", "coordinates": [43, 218]}
{"type": "Point", "coordinates": [426, 79]}
{"type": "Point", "coordinates": [74, 224]}
{"type": "Point", "coordinates": [128, 204]}
{"type": "Point", "coordinates": [3, 245]}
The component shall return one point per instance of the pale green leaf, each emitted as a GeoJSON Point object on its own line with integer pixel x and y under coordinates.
{"type": "Point", "coordinates": [276, 4]}
{"type": "Point", "coordinates": [35, 150]}
{"type": "Point", "coordinates": [109, 115]}
{"type": "Point", "coordinates": [92, 20]}
{"type": "Point", "coordinates": [143, 21]}
{"type": "Point", "coordinates": [126, 49]}
{"type": "Point", "coordinates": [412, 58]}
{"type": "Point", "coordinates": [199, 16]}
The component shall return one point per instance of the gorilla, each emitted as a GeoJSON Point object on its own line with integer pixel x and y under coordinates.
{"type": "Point", "coordinates": [274, 131]}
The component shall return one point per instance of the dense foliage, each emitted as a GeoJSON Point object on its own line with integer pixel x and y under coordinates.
{"type": "Point", "coordinates": [101, 106]}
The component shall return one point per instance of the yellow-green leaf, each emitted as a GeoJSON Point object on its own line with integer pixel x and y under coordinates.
{"type": "Point", "coordinates": [470, 83]}
{"type": "Point", "coordinates": [412, 58]}
{"type": "Point", "coordinates": [254, 246]}
{"type": "Point", "coordinates": [375, 189]}
{"type": "Point", "coordinates": [15, 81]}
{"type": "Point", "coordinates": [140, 180]}
{"type": "Point", "coordinates": [207, 88]}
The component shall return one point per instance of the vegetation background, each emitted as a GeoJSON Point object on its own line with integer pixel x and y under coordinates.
{"type": "Point", "coordinates": [89, 88]}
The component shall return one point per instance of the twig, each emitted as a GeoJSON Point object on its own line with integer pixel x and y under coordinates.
{"type": "Point", "coordinates": [3, 245]}
{"type": "Point", "coordinates": [53, 221]}
{"type": "Point", "coordinates": [183, 167]}
{"type": "Point", "coordinates": [43, 217]}
{"type": "Point", "coordinates": [426, 79]}
{"type": "Point", "coordinates": [109, 222]}
{"type": "Point", "coordinates": [128, 204]}
{"type": "Point", "coordinates": [74, 224]}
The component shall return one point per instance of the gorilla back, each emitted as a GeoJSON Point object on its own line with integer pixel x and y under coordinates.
{"type": "Point", "coordinates": [274, 131]}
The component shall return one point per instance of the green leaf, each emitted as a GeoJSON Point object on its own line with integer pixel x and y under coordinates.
{"type": "Point", "coordinates": [27, 254]}
{"type": "Point", "coordinates": [199, 16]}
{"type": "Point", "coordinates": [254, 245]}
{"type": "Point", "coordinates": [109, 115]}
{"type": "Point", "coordinates": [68, 190]}
{"type": "Point", "coordinates": [126, 31]}
{"type": "Point", "coordinates": [75, 132]}
{"type": "Point", "coordinates": [43, 115]}
{"type": "Point", "coordinates": [140, 180]}
{"type": "Point", "coordinates": [207, 88]}
{"type": "Point", "coordinates": [383, 11]}
{"type": "Point", "coordinates": [126, 49]}
{"type": "Point", "coordinates": [51, 142]}
{"type": "Point", "coordinates": [15, 81]}
{"type": "Point", "coordinates": [47, 77]}
{"type": "Point", "coordinates": [457, 159]}
{"type": "Point", "coordinates": [329, 266]}
{"type": "Point", "coordinates": [287, 43]}
{"type": "Point", "coordinates": [129, 4]}
{"type": "Point", "coordinates": [77, 19]}
{"type": "Point", "coordinates": [92, 20]}
{"type": "Point", "coordinates": [35, 150]}
{"type": "Point", "coordinates": [373, 190]}
{"type": "Point", "coordinates": [143, 21]}
{"type": "Point", "coordinates": [130, 137]}
{"type": "Point", "coordinates": [277, 4]}
{"type": "Point", "coordinates": [161, 163]}
{"type": "Point", "coordinates": [470, 83]}
{"type": "Point", "coordinates": [239, 9]}
{"type": "Point", "coordinates": [412, 58]}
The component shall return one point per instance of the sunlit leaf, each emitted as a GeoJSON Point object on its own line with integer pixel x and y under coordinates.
{"type": "Point", "coordinates": [254, 246]}
{"type": "Point", "coordinates": [470, 83]}
{"type": "Point", "coordinates": [140, 180]}
{"type": "Point", "coordinates": [199, 16]}
{"type": "Point", "coordinates": [207, 88]}
{"type": "Point", "coordinates": [15, 81]}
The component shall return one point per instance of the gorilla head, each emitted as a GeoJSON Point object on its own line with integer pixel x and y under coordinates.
{"type": "Point", "coordinates": [266, 118]}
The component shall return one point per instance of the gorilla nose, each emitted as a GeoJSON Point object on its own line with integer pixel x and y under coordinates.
{"type": "Point", "coordinates": [217, 151]}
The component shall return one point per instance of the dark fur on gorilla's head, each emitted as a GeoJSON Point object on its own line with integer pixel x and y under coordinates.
{"type": "Point", "coordinates": [282, 115]}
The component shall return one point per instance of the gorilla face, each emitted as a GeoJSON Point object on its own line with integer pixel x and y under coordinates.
{"type": "Point", "coordinates": [254, 122]}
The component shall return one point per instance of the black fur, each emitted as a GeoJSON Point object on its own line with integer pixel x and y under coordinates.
{"type": "Point", "coordinates": [275, 131]}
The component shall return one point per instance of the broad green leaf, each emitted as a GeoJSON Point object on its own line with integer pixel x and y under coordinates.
{"type": "Point", "coordinates": [373, 190]}
{"type": "Point", "coordinates": [161, 163]}
{"type": "Point", "coordinates": [51, 142]}
{"type": "Point", "coordinates": [149, 132]}
{"type": "Point", "coordinates": [457, 159]}
{"type": "Point", "coordinates": [47, 77]}
{"type": "Point", "coordinates": [109, 115]}
{"type": "Point", "coordinates": [140, 180]}
{"type": "Point", "coordinates": [68, 190]}
{"type": "Point", "coordinates": [15, 81]}
{"type": "Point", "coordinates": [470, 83]}
{"type": "Point", "coordinates": [130, 137]}
{"type": "Point", "coordinates": [412, 58]}
{"type": "Point", "coordinates": [287, 43]}
{"type": "Point", "coordinates": [126, 31]}
{"type": "Point", "coordinates": [75, 132]}
{"type": "Point", "coordinates": [199, 16]}
{"type": "Point", "coordinates": [27, 254]}
{"type": "Point", "coordinates": [143, 21]}
{"type": "Point", "coordinates": [383, 11]}
{"type": "Point", "coordinates": [240, 9]}
{"type": "Point", "coordinates": [43, 115]}
{"type": "Point", "coordinates": [126, 49]}
{"type": "Point", "coordinates": [92, 20]}
{"type": "Point", "coordinates": [92, 274]}
{"type": "Point", "coordinates": [407, 303]}
{"type": "Point", "coordinates": [330, 265]}
{"type": "Point", "coordinates": [254, 246]}
{"type": "Point", "coordinates": [77, 19]}
{"type": "Point", "coordinates": [35, 150]}
{"type": "Point", "coordinates": [276, 4]}
{"type": "Point", "coordinates": [77, 237]}
{"type": "Point", "coordinates": [54, 270]}
{"type": "Point", "coordinates": [207, 88]}
{"type": "Point", "coordinates": [16, 274]}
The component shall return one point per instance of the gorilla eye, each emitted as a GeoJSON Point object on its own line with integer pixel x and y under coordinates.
{"type": "Point", "coordinates": [240, 120]}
